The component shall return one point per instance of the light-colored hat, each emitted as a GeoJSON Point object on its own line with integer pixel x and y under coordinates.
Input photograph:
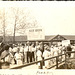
{"type": "Point", "coordinates": [38, 47]}
{"type": "Point", "coordinates": [45, 47]}
{"type": "Point", "coordinates": [27, 42]}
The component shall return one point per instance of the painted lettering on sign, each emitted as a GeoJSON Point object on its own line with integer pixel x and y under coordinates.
{"type": "Point", "coordinates": [36, 34]}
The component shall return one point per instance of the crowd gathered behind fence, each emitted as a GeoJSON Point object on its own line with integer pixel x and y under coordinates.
{"type": "Point", "coordinates": [40, 54]}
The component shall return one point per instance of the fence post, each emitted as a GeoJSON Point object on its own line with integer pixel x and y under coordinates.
{"type": "Point", "coordinates": [56, 62]}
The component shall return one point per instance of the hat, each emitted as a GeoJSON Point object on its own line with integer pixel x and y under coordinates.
{"type": "Point", "coordinates": [38, 47]}
{"type": "Point", "coordinates": [27, 42]}
{"type": "Point", "coordinates": [45, 47]}
{"type": "Point", "coordinates": [40, 43]}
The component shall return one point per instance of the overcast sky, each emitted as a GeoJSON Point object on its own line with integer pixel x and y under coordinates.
{"type": "Point", "coordinates": [54, 17]}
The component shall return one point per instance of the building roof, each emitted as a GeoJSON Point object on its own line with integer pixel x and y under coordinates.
{"type": "Point", "coordinates": [69, 37]}
{"type": "Point", "coordinates": [50, 37]}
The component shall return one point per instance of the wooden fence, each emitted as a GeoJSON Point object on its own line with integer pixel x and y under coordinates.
{"type": "Point", "coordinates": [41, 61]}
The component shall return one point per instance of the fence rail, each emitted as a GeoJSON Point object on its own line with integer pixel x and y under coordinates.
{"type": "Point", "coordinates": [41, 61]}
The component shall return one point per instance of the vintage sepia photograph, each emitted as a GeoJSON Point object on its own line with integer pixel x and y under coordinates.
{"type": "Point", "coordinates": [37, 35]}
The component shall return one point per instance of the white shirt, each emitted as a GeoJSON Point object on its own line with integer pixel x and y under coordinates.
{"type": "Point", "coordinates": [30, 48]}
{"type": "Point", "coordinates": [39, 55]}
{"type": "Point", "coordinates": [17, 56]}
{"type": "Point", "coordinates": [26, 49]}
{"type": "Point", "coordinates": [10, 49]}
{"type": "Point", "coordinates": [21, 49]}
{"type": "Point", "coordinates": [46, 54]}
{"type": "Point", "coordinates": [55, 51]}
{"type": "Point", "coordinates": [15, 49]}
{"type": "Point", "coordinates": [33, 49]}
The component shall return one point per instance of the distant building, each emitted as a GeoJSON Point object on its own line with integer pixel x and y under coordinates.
{"type": "Point", "coordinates": [52, 39]}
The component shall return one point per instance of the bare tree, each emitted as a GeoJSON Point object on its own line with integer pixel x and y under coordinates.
{"type": "Point", "coordinates": [2, 22]}
{"type": "Point", "coordinates": [22, 21]}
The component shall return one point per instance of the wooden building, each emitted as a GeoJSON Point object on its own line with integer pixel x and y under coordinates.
{"type": "Point", "coordinates": [48, 39]}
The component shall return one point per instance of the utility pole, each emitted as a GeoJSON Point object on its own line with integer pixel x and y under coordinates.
{"type": "Point", "coordinates": [15, 27]}
{"type": "Point", "coordinates": [16, 19]}
{"type": "Point", "coordinates": [14, 32]}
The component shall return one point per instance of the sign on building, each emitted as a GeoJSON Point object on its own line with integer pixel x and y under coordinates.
{"type": "Point", "coordinates": [65, 42]}
{"type": "Point", "coordinates": [35, 34]}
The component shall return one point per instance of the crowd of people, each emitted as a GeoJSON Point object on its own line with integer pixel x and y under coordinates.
{"type": "Point", "coordinates": [30, 52]}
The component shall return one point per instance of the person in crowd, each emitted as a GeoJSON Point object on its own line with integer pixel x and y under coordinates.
{"type": "Point", "coordinates": [52, 53]}
{"type": "Point", "coordinates": [11, 56]}
{"type": "Point", "coordinates": [39, 57]}
{"type": "Point", "coordinates": [28, 53]}
{"type": "Point", "coordinates": [59, 50]}
{"type": "Point", "coordinates": [15, 48]}
{"type": "Point", "coordinates": [73, 49]}
{"type": "Point", "coordinates": [33, 52]}
{"type": "Point", "coordinates": [55, 52]}
{"type": "Point", "coordinates": [10, 48]}
{"type": "Point", "coordinates": [22, 51]}
{"type": "Point", "coordinates": [18, 57]}
{"type": "Point", "coordinates": [59, 53]}
{"type": "Point", "coordinates": [25, 53]}
{"type": "Point", "coordinates": [63, 52]}
{"type": "Point", "coordinates": [41, 47]}
{"type": "Point", "coordinates": [46, 54]}
{"type": "Point", "coordinates": [36, 48]}
{"type": "Point", "coordinates": [69, 49]}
